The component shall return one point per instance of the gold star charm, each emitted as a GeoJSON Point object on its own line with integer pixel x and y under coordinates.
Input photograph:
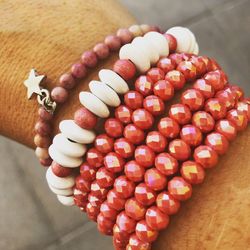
{"type": "Point", "coordinates": [33, 83]}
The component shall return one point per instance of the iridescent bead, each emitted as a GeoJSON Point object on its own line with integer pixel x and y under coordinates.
{"type": "Point", "coordinates": [133, 134]}
{"type": "Point", "coordinates": [166, 64]}
{"type": "Point", "coordinates": [113, 162]}
{"type": "Point", "coordinates": [154, 105]}
{"type": "Point", "coordinates": [115, 201]}
{"type": "Point", "coordinates": [166, 164]}
{"type": "Point", "coordinates": [168, 127]}
{"type": "Point", "coordinates": [216, 108]}
{"type": "Point", "coordinates": [199, 64]}
{"type": "Point", "coordinates": [227, 98]}
{"type": "Point", "coordinates": [94, 158]}
{"type": "Point", "coordinates": [124, 187]}
{"type": "Point", "coordinates": [156, 74]}
{"type": "Point", "coordinates": [104, 225]}
{"type": "Point", "coordinates": [217, 142]}
{"type": "Point", "coordinates": [125, 223]}
{"type": "Point", "coordinates": [156, 141]}
{"type": "Point", "coordinates": [205, 156]}
{"type": "Point", "coordinates": [134, 171]}
{"type": "Point", "coordinates": [123, 114]}
{"type": "Point", "coordinates": [136, 244]}
{"type": "Point", "coordinates": [124, 148]}
{"type": "Point", "coordinates": [206, 89]}
{"type": "Point", "coordinates": [167, 203]}
{"type": "Point", "coordinates": [89, 59]}
{"type": "Point", "coordinates": [236, 91]}
{"type": "Point", "coordinates": [104, 177]}
{"type": "Point", "coordinates": [133, 99]}
{"type": "Point", "coordinates": [179, 188]}
{"type": "Point", "coordinates": [179, 149]}
{"type": "Point", "coordinates": [176, 57]}
{"type": "Point", "coordinates": [191, 135]}
{"type": "Point", "coordinates": [144, 85]}
{"type": "Point", "coordinates": [104, 143]}
{"type": "Point", "coordinates": [145, 233]}
{"type": "Point", "coordinates": [85, 119]}
{"type": "Point", "coordinates": [238, 118]}
{"type": "Point", "coordinates": [155, 179]}
{"type": "Point", "coordinates": [94, 200]}
{"type": "Point", "coordinates": [81, 200]}
{"type": "Point", "coordinates": [120, 235]}
{"type": "Point", "coordinates": [203, 120]}
{"type": "Point", "coordinates": [172, 43]}
{"type": "Point", "coordinates": [207, 62]}
{"type": "Point", "coordinates": [164, 89]}
{"type": "Point", "coordinates": [59, 170]}
{"type": "Point", "coordinates": [188, 69]}
{"type": "Point", "coordinates": [180, 113]}
{"type": "Point", "coordinates": [217, 79]}
{"type": "Point", "coordinates": [145, 195]}
{"type": "Point", "coordinates": [134, 209]}
{"type": "Point", "coordinates": [192, 172]}
{"type": "Point", "coordinates": [113, 127]}
{"type": "Point", "coordinates": [214, 64]}
{"type": "Point", "coordinates": [87, 172]}
{"type": "Point", "coordinates": [125, 68]}
{"type": "Point", "coordinates": [244, 106]}
{"type": "Point", "coordinates": [226, 128]}
{"type": "Point", "coordinates": [142, 119]}
{"type": "Point", "coordinates": [81, 184]}
{"type": "Point", "coordinates": [176, 78]}
{"type": "Point", "coordinates": [144, 156]}
{"type": "Point", "coordinates": [108, 212]}
{"type": "Point", "coordinates": [119, 244]}
{"type": "Point", "coordinates": [92, 211]}
{"type": "Point", "coordinates": [97, 190]}
{"type": "Point", "coordinates": [193, 99]}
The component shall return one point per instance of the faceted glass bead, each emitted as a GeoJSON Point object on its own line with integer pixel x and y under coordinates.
{"type": "Point", "coordinates": [217, 142]}
{"type": "Point", "coordinates": [203, 120]}
{"type": "Point", "coordinates": [87, 172]}
{"type": "Point", "coordinates": [217, 79]}
{"type": "Point", "coordinates": [179, 188]}
{"type": "Point", "coordinates": [145, 233]}
{"type": "Point", "coordinates": [207, 62]}
{"type": "Point", "coordinates": [156, 219]}
{"type": "Point", "coordinates": [206, 89]}
{"type": "Point", "coordinates": [94, 158]}
{"type": "Point", "coordinates": [81, 199]}
{"type": "Point", "coordinates": [124, 148]}
{"type": "Point", "coordinates": [92, 211]}
{"type": "Point", "coordinates": [120, 235]}
{"type": "Point", "coordinates": [166, 64]}
{"type": "Point", "coordinates": [104, 143]}
{"type": "Point", "coordinates": [191, 135]}
{"type": "Point", "coordinates": [216, 108]}
{"type": "Point", "coordinates": [205, 156]}
{"type": "Point", "coordinates": [82, 185]}
{"type": "Point", "coordinates": [236, 91]}
{"type": "Point", "coordinates": [168, 127]}
{"type": "Point", "coordinates": [193, 99]}
{"type": "Point", "coordinates": [108, 212]}
{"type": "Point", "coordinates": [104, 177]}
{"type": "Point", "coordinates": [114, 162]}
{"type": "Point", "coordinates": [179, 149]}
{"type": "Point", "coordinates": [145, 195]}
{"type": "Point", "coordinates": [166, 164]}
{"type": "Point", "coordinates": [134, 171]}
{"type": "Point", "coordinates": [118, 244]}
{"type": "Point", "coordinates": [176, 79]}
{"type": "Point", "coordinates": [177, 58]}
{"type": "Point", "coordinates": [133, 134]}
{"type": "Point", "coordinates": [155, 179]}
{"type": "Point", "coordinates": [214, 65]}
{"type": "Point", "coordinates": [226, 128]}
{"type": "Point", "coordinates": [180, 113]}
{"type": "Point", "coordinates": [123, 114]}
{"type": "Point", "coordinates": [133, 99]}
{"type": "Point", "coordinates": [98, 191]}
{"type": "Point", "coordinates": [167, 203]}
{"type": "Point", "coordinates": [142, 119]}
{"type": "Point", "coordinates": [238, 118]}
{"type": "Point", "coordinates": [94, 200]}
{"type": "Point", "coordinates": [192, 172]}
{"type": "Point", "coordinates": [136, 244]}
{"type": "Point", "coordinates": [164, 89]}
{"type": "Point", "coordinates": [134, 209]}
{"type": "Point", "coordinates": [199, 65]}
{"type": "Point", "coordinates": [156, 141]}
{"type": "Point", "coordinates": [144, 156]}
{"type": "Point", "coordinates": [188, 69]}
{"type": "Point", "coordinates": [113, 127]}
{"type": "Point", "coordinates": [156, 74]}
{"type": "Point", "coordinates": [227, 98]}
{"type": "Point", "coordinates": [125, 223]}
{"type": "Point", "coordinates": [144, 85]}
{"type": "Point", "coordinates": [154, 105]}
{"type": "Point", "coordinates": [124, 187]}
{"type": "Point", "coordinates": [244, 106]}
{"type": "Point", "coordinates": [114, 201]}
{"type": "Point", "coordinates": [104, 225]}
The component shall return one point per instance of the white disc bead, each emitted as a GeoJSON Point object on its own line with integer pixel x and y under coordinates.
{"type": "Point", "coordinates": [65, 192]}
{"type": "Point", "coordinates": [66, 200]}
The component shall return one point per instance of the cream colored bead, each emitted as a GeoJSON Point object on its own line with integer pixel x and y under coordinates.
{"type": "Point", "coordinates": [145, 28]}
{"type": "Point", "coordinates": [75, 133]}
{"type": "Point", "coordinates": [136, 30]}
{"type": "Point", "coordinates": [113, 80]}
{"type": "Point", "coordinates": [66, 200]}
{"type": "Point", "coordinates": [196, 49]}
{"type": "Point", "coordinates": [42, 153]}
{"type": "Point", "coordinates": [64, 160]}
{"type": "Point", "coordinates": [104, 93]}
{"type": "Point", "coordinates": [94, 104]}
{"type": "Point", "coordinates": [66, 192]}
{"type": "Point", "coordinates": [67, 147]}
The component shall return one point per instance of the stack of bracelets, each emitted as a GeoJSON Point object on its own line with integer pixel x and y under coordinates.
{"type": "Point", "coordinates": [134, 175]}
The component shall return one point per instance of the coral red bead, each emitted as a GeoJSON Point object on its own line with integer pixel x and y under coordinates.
{"type": "Point", "coordinates": [144, 156]}
{"type": "Point", "coordinates": [94, 158]}
{"type": "Point", "coordinates": [142, 119]}
{"type": "Point", "coordinates": [236, 90]}
{"type": "Point", "coordinates": [207, 62]}
{"type": "Point", "coordinates": [217, 142]}
{"type": "Point", "coordinates": [104, 225]}
{"type": "Point", "coordinates": [188, 69]}
{"type": "Point", "coordinates": [134, 171]}
{"type": "Point", "coordinates": [244, 106]}
{"type": "Point", "coordinates": [145, 195]}
{"type": "Point", "coordinates": [168, 127]}
{"type": "Point", "coordinates": [92, 211]}
{"type": "Point", "coordinates": [136, 244]}
{"type": "Point", "coordinates": [206, 156]}
{"type": "Point", "coordinates": [193, 99]}
{"type": "Point", "coordinates": [108, 212]}
{"type": "Point", "coordinates": [87, 172]}
{"type": "Point", "coordinates": [192, 172]}
{"type": "Point", "coordinates": [114, 201]}
{"type": "Point", "coordinates": [238, 118]}
{"type": "Point", "coordinates": [176, 78]}
{"type": "Point", "coordinates": [199, 64]}
{"type": "Point", "coordinates": [191, 135]}
{"type": "Point", "coordinates": [179, 149]}
{"type": "Point", "coordinates": [133, 134]}
{"type": "Point", "coordinates": [217, 79]}
{"type": "Point", "coordinates": [125, 68]}
{"type": "Point", "coordinates": [120, 235]}
{"type": "Point", "coordinates": [94, 200]}
{"type": "Point", "coordinates": [179, 188]}
{"type": "Point", "coordinates": [81, 200]}
{"type": "Point", "coordinates": [123, 114]}
{"type": "Point", "coordinates": [180, 113]}
{"type": "Point", "coordinates": [216, 108]}
{"type": "Point", "coordinates": [82, 185]}
{"type": "Point", "coordinates": [124, 148]}
{"type": "Point", "coordinates": [172, 43]}
{"type": "Point", "coordinates": [166, 164]}
{"type": "Point", "coordinates": [104, 177]}
{"type": "Point", "coordinates": [206, 89]}
{"type": "Point", "coordinates": [144, 85]}
{"type": "Point", "coordinates": [156, 74]}
{"type": "Point", "coordinates": [156, 141]}
{"type": "Point", "coordinates": [113, 127]}
{"type": "Point", "coordinates": [125, 223]}
{"type": "Point", "coordinates": [113, 162]}
{"type": "Point", "coordinates": [227, 98]}
{"type": "Point", "coordinates": [167, 203]}
{"type": "Point", "coordinates": [104, 143]}
{"type": "Point", "coordinates": [124, 187]}
{"type": "Point", "coordinates": [226, 128]}
{"type": "Point", "coordinates": [203, 120]}
{"type": "Point", "coordinates": [177, 57]}
{"type": "Point", "coordinates": [133, 99]}
{"type": "Point", "coordinates": [214, 64]}
{"type": "Point", "coordinates": [156, 219]}
{"type": "Point", "coordinates": [155, 179]}
{"type": "Point", "coordinates": [166, 64]}
{"type": "Point", "coordinates": [145, 233]}
{"type": "Point", "coordinates": [59, 170]}
{"type": "Point", "coordinates": [154, 105]}
{"type": "Point", "coordinates": [134, 209]}
{"type": "Point", "coordinates": [97, 190]}
{"type": "Point", "coordinates": [85, 119]}
{"type": "Point", "coordinates": [118, 244]}
{"type": "Point", "coordinates": [164, 89]}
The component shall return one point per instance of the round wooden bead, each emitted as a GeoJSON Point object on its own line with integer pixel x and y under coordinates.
{"type": "Point", "coordinates": [66, 200]}
{"type": "Point", "coordinates": [42, 141]}
{"type": "Point", "coordinates": [101, 50]}
{"type": "Point", "coordinates": [42, 153]}
{"type": "Point", "coordinates": [113, 42]}
{"type": "Point", "coordinates": [67, 81]}
{"type": "Point", "coordinates": [43, 128]}
{"type": "Point", "coordinates": [75, 133]}
{"type": "Point", "coordinates": [89, 58]}
{"type": "Point", "coordinates": [135, 30]}
{"type": "Point", "coordinates": [85, 119]}
{"type": "Point", "coordinates": [93, 104]}
{"type": "Point", "coordinates": [64, 192]}
{"type": "Point", "coordinates": [78, 70]}
{"type": "Point", "coordinates": [59, 94]}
